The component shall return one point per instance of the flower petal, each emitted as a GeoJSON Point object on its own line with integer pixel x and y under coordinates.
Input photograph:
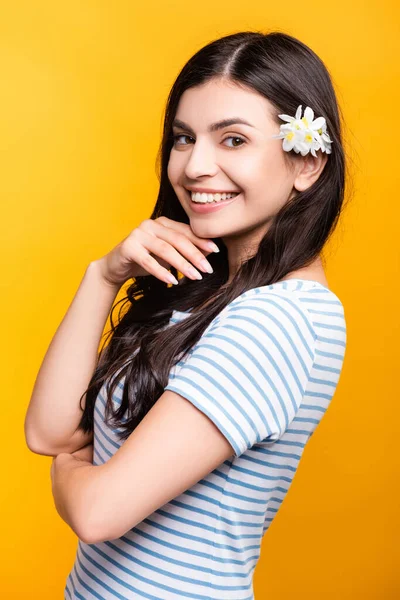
{"type": "Point", "coordinates": [300, 133]}
{"type": "Point", "coordinates": [309, 114]}
{"type": "Point", "coordinates": [317, 136]}
{"type": "Point", "coordinates": [286, 118]}
{"type": "Point", "coordinates": [318, 123]}
{"type": "Point", "coordinates": [298, 112]}
{"type": "Point", "coordinates": [299, 124]}
{"type": "Point", "coordinates": [288, 144]}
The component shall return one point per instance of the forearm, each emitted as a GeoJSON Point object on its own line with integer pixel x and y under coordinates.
{"type": "Point", "coordinates": [54, 413]}
{"type": "Point", "coordinates": [74, 485]}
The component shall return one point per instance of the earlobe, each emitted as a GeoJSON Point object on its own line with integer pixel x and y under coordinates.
{"type": "Point", "coordinates": [309, 171]}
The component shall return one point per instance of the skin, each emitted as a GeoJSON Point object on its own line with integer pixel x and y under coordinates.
{"type": "Point", "coordinates": [255, 166]}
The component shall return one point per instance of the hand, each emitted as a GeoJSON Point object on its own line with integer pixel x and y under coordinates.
{"type": "Point", "coordinates": [58, 460]}
{"type": "Point", "coordinates": [172, 242]}
{"type": "Point", "coordinates": [84, 454]}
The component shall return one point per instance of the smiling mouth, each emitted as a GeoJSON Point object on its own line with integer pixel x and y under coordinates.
{"type": "Point", "coordinates": [233, 195]}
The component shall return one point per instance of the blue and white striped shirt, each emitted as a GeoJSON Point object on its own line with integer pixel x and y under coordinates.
{"type": "Point", "coordinates": [264, 371]}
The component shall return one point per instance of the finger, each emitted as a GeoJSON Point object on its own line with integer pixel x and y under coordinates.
{"type": "Point", "coordinates": [184, 228]}
{"type": "Point", "coordinates": [152, 266]}
{"type": "Point", "coordinates": [160, 247]}
{"type": "Point", "coordinates": [186, 247]}
{"type": "Point", "coordinates": [136, 247]}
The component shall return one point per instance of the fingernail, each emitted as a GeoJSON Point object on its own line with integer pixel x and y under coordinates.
{"type": "Point", "coordinates": [213, 247]}
{"type": "Point", "coordinates": [195, 273]}
{"type": "Point", "coordinates": [206, 265]}
{"type": "Point", "coordinates": [172, 279]}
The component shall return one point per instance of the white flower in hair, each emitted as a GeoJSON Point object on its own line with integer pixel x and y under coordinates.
{"type": "Point", "coordinates": [325, 139]}
{"type": "Point", "coordinates": [304, 134]}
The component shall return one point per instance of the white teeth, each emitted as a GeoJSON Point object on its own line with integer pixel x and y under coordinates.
{"type": "Point", "coordinates": [204, 198]}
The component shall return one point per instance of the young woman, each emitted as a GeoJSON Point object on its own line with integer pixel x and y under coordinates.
{"type": "Point", "coordinates": [203, 400]}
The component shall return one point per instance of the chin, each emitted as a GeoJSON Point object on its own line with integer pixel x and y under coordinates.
{"type": "Point", "coordinates": [204, 230]}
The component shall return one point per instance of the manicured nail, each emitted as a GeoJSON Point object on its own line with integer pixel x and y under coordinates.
{"type": "Point", "coordinates": [195, 273]}
{"type": "Point", "coordinates": [206, 265]}
{"type": "Point", "coordinates": [213, 247]}
{"type": "Point", "coordinates": [172, 279]}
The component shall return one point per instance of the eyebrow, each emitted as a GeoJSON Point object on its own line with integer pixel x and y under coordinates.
{"type": "Point", "coordinates": [214, 126]}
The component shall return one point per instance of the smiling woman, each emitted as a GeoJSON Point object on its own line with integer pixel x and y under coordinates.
{"type": "Point", "coordinates": [208, 391]}
{"type": "Point", "coordinates": [202, 160]}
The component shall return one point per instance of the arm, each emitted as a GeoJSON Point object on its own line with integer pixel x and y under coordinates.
{"type": "Point", "coordinates": [103, 502]}
{"type": "Point", "coordinates": [71, 479]}
{"type": "Point", "coordinates": [243, 383]}
{"type": "Point", "coordinates": [54, 413]}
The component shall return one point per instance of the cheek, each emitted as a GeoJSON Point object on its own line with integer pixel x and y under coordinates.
{"type": "Point", "coordinates": [170, 170]}
{"type": "Point", "coordinates": [266, 182]}
{"type": "Point", "coordinates": [269, 173]}
{"type": "Point", "coordinates": [174, 168]}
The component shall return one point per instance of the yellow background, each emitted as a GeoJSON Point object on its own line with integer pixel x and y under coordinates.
{"type": "Point", "coordinates": [84, 84]}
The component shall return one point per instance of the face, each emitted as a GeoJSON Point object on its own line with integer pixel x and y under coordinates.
{"type": "Point", "coordinates": [239, 157]}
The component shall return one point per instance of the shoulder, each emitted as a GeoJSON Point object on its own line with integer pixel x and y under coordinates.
{"type": "Point", "coordinates": [303, 304]}
{"type": "Point", "coordinates": [261, 325]}
{"type": "Point", "coordinates": [297, 318]}
{"type": "Point", "coordinates": [251, 367]}
{"type": "Point", "coordinates": [268, 305]}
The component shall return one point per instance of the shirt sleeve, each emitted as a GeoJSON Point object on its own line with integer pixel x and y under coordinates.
{"type": "Point", "coordinates": [249, 371]}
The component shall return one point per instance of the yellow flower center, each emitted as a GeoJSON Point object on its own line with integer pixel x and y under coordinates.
{"type": "Point", "coordinates": [305, 121]}
{"type": "Point", "coordinates": [308, 138]}
{"type": "Point", "coordinates": [289, 135]}
{"type": "Point", "coordinates": [320, 131]}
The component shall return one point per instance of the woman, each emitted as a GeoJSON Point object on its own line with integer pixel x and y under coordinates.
{"type": "Point", "coordinates": [229, 371]}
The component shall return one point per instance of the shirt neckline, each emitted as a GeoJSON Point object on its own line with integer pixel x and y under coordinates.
{"type": "Point", "coordinates": [186, 312]}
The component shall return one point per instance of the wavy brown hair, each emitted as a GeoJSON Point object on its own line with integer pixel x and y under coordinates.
{"type": "Point", "coordinates": [141, 347]}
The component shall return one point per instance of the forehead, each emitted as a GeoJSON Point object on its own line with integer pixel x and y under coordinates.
{"type": "Point", "coordinates": [217, 99]}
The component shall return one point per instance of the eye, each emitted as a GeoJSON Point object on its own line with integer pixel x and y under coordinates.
{"type": "Point", "coordinates": [231, 137]}
{"type": "Point", "coordinates": [181, 135]}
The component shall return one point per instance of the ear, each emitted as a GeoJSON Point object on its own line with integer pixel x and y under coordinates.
{"type": "Point", "coordinates": [309, 170]}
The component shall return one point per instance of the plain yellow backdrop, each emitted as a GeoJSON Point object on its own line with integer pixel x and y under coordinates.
{"type": "Point", "coordinates": [84, 85]}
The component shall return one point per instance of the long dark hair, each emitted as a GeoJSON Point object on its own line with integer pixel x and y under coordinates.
{"type": "Point", "coordinates": [141, 348]}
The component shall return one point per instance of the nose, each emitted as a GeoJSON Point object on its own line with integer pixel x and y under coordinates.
{"type": "Point", "coordinates": [201, 161]}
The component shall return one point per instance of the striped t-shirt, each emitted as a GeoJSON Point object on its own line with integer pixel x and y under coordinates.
{"type": "Point", "coordinates": [264, 371]}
